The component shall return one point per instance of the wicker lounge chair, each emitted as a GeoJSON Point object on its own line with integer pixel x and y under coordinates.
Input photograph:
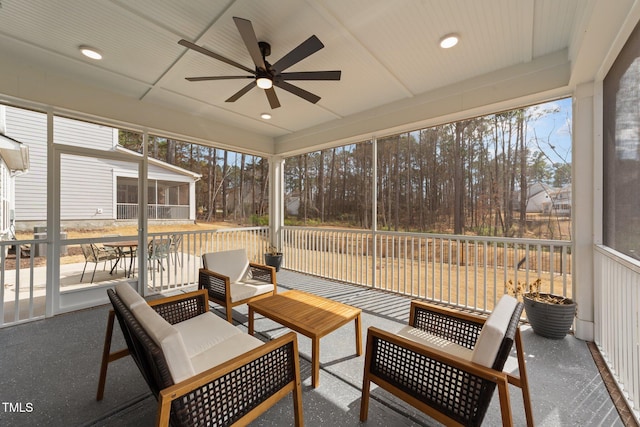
{"type": "Point", "coordinates": [230, 379]}
{"type": "Point", "coordinates": [231, 280]}
{"type": "Point", "coordinates": [447, 363]}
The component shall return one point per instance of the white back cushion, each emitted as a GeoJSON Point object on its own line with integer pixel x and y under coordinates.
{"type": "Point", "coordinates": [493, 331]}
{"type": "Point", "coordinates": [169, 340]}
{"type": "Point", "coordinates": [129, 296]}
{"type": "Point", "coordinates": [234, 263]}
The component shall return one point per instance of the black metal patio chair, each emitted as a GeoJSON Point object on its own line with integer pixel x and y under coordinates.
{"type": "Point", "coordinates": [93, 253]}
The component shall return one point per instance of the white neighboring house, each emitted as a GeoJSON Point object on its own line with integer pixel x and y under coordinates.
{"type": "Point", "coordinates": [543, 198]}
{"type": "Point", "coordinates": [94, 192]}
{"type": "Point", "coordinates": [538, 194]}
{"type": "Point", "coordinates": [14, 161]}
{"type": "Point", "coordinates": [560, 203]}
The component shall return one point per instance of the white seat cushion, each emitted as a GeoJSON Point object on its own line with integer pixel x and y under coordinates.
{"type": "Point", "coordinates": [493, 331]}
{"type": "Point", "coordinates": [169, 340]}
{"type": "Point", "coordinates": [202, 332]}
{"type": "Point", "coordinates": [248, 289]}
{"type": "Point", "coordinates": [197, 344]}
{"type": "Point", "coordinates": [234, 263]}
{"type": "Point", "coordinates": [129, 296]}
{"type": "Point", "coordinates": [433, 341]}
{"type": "Point", "coordinates": [227, 349]}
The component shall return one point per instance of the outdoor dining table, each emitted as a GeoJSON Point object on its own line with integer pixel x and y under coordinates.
{"type": "Point", "coordinates": [120, 246]}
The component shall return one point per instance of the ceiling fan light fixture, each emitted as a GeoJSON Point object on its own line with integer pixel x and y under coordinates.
{"type": "Point", "coordinates": [264, 75]}
{"type": "Point", "coordinates": [264, 83]}
{"type": "Point", "coordinates": [90, 52]}
{"type": "Point", "coordinates": [450, 40]}
{"type": "Point", "coordinates": [265, 116]}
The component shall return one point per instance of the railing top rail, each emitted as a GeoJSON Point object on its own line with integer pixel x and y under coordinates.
{"type": "Point", "coordinates": [79, 241]}
{"type": "Point", "coordinates": [21, 242]}
{"type": "Point", "coordinates": [221, 230]}
{"type": "Point", "coordinates": [345, 230]}
{"type": "Point", "coordinates": [458, 237]}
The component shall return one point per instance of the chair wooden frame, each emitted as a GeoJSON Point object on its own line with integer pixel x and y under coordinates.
{"type": "Point", "coordinates": [412, 389]}
{"type": "Point", "coordinates": [218, 286]}
{"type": "Point", "coordinates": [231, 393]}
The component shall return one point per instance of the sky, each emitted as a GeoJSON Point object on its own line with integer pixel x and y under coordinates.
{"type": "Point", "coordinates": [551, 132]}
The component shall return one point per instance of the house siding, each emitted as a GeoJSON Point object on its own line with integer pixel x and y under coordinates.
{"type": "Point", "coordinates": [30, 127]}
{"type": "Point", "coordinates": [88, 185]}
{"type": "Point", "coordinates": [82, 134]}
{"type": "Point", "coordinates": [158, 173]}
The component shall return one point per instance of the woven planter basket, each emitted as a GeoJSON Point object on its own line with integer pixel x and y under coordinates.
{"type": "Point", "coordinates": [549, 320]}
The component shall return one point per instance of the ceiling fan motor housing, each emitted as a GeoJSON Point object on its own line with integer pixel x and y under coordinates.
{"type": "Point", "coordinates": [265, 49]}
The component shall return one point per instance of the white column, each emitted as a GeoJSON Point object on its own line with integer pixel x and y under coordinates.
{"type": "Point", "coordinates": [52, 299]}
{"type": "Point", "coordinates": [584, 188]}
{"type": "Point", "coordinates": [192, 201]}
{"type": "Point", "coordinates": [276, 200]}
{"type": "Point", "coordinates": [374, 211]}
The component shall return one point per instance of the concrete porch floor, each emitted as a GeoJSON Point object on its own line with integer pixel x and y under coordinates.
{"type": "Point", "coordinates": [50, 373]}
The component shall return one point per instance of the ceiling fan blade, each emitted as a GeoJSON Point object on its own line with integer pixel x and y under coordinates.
{"type": "Point", "coordinates": [272, 97]}
{"type": "Point", "coordinates": [306, 48]}
{"type": "Point", "coordinates": [241, 92]}
{"type": "Point", "coordinates": [298, 91]}
{"type": "Point", "coordinates": [214, 55]}
{"type": "Point", "coordinates": [251, 41]}
{"type": "Point", "coordinates": [201, 79]}
{"type": "Point", "coordinates": [311, 75]}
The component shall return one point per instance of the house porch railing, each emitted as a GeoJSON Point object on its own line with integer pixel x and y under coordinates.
{"type": "Point", "coordinates": [17, 292]}
{"type": "Point", "coordinates": [463, 271]}
{"type": "Point", "coordinates": [154, 211]}
{"type": "Point", "coordinates": [617, 320]}
{"type": "Point", "coordinates": [185, 255]}
{"type": "Point", "coordinates": [23, 278]}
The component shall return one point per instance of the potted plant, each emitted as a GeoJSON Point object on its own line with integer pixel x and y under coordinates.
{"type": "Point", "coordinates": [549, 315]}
{"type": "Point", "coordinates": [273, 258]}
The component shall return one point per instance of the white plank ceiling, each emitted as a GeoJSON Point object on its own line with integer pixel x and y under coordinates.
{"type": "Point", "coordinates": [387, 50]}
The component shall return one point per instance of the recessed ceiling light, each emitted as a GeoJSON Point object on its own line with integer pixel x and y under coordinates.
{"type": "Point", "coordinates": [450, 40]}
{"type": "Point", "coordinates": [90, 52]}
{"type": "Point", "coordinates": [265, 116]}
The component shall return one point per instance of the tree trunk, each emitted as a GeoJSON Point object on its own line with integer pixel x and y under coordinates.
{"type": "Point", "coordinates": [241, 188]}
{"type": "Point", "coordinates": [321, 191]}
{"type": "Point", "coordinates": [458, 181]}
{"type": "Point", "coordinates": [524, 190]}
{"type": "Point", "coordinates": [224, 184]}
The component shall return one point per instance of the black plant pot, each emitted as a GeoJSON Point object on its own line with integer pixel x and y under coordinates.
{"type": "Point", "coordinates": [549, 320]}
{"type": "Point", "coordinates": [273, 260]}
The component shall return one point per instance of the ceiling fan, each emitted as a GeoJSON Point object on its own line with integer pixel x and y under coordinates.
{"type": "Point", "coordinates": [266, 75]}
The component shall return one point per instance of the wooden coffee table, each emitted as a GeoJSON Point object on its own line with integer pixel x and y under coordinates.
{"type": "Point", "coordinates": [310, 315]}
